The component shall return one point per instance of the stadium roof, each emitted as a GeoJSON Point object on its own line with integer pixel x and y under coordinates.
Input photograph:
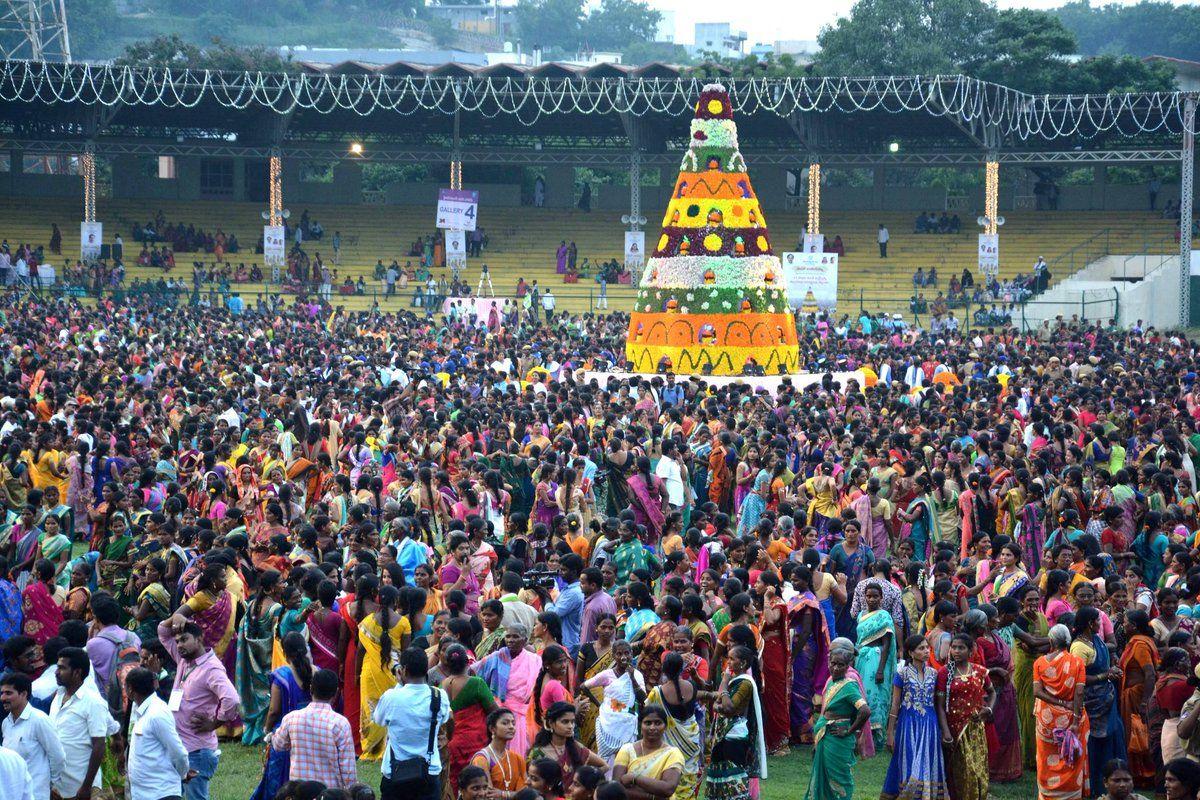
{"type": "Point", "coordinates": [555, 107]}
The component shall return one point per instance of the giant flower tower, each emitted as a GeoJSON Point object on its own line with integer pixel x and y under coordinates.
{"type": "Point", "coordinates": [713, 298]}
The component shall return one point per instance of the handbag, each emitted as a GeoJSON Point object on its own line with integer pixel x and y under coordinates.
{"type": "Point", "coordinates": [411, 769]}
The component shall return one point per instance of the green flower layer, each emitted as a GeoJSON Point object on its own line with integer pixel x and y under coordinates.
{"type": "Point", "coordinates": [713, 300]}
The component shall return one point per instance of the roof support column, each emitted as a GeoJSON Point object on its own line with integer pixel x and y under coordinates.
{"type": "Point", "coordinates": [1186, 170]}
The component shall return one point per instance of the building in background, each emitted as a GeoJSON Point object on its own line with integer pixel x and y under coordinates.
{"type": "Point", "coordinates": [719, 38]}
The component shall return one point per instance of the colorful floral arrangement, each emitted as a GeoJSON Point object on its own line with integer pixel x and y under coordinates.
{"type": "Point", "coordinates": [713, 281]}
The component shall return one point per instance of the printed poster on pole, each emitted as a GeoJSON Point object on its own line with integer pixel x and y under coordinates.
{"type": "Point", "coordinates": [456, 249]}
{"type": "Point", "coordinates": [91, 238]}
{"type": "Point", "coordinates": [274, 249]}
{"type": "Point", "coordinates": [814, 242]}
{"type": "Point", "coordinates": [457, 209]}
{"type": "Point", "coordinates": [812, 280]}
{"type": "Point", "coordinates": [635, 249]}
{"type": "Point", "coordinates": [989, 254]}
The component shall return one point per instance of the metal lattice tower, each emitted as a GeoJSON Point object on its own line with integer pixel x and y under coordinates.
{"type": "Point", "coordinates": [34, 30]}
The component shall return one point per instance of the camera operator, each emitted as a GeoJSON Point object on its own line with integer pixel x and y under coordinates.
{"type": "Point", "coordinates": [569, 605]}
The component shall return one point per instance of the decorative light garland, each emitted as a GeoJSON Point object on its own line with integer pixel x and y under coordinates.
{"type": "Point", "coordinates": [991, 195]}
{"type": "Point", "coordinates": [814, 199]}
{"type": "Point", "coordinates": [275, 198]}
{"type": "Point", "coordinates": [1013, 114]}
{"type": "Point", "coordinates": [87, 166]}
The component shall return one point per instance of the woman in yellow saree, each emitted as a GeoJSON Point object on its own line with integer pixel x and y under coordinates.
{"type": "Point", "coordinates": [594, 658]}
{"type": "Point", "coordinates": [380, 636]}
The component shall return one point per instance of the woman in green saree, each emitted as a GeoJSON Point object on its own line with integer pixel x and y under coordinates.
{"type": "Point", "coordinates": [844, 711]}
{"type": "Point", "coordinates": [253, 671]}
{"type": "Point", "coordinates": [153, 601]}
{"type": "Point", "coordinates": [491, 613]}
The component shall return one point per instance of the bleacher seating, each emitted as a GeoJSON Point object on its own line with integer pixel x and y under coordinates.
{"type": "Point", "coordinates": [523, 242]}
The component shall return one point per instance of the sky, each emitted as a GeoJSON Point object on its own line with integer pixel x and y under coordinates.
{"type": "Point", "coordinates": [771, 20]}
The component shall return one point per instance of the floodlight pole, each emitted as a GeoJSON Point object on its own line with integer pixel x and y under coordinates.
{"type": "Point", "coordinates": [1186, 169]}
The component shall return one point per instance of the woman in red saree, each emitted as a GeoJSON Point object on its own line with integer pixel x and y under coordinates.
{"type": "Point", "coordinates": [470, 702]}
{"type": "Point", "coordinates": [776, 680]}
{"type": "Point", "coordinates": [43, 615]}
{"type": "Point", "coordinates": [354, 608]}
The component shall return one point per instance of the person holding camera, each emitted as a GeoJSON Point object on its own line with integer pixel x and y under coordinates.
{"type": "Point", "coordinates": [569, 604]}
{"type": "Point", "coordinates": [412, 711]}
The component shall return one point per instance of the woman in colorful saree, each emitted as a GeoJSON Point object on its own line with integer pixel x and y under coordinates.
{"type": "Point", "coordinates": [1010, 578]}
{"type": "Point", "coordinates": [511, 673]}
{"type": "Point", "coordinates": [1107, 738]}
{"type": "Point", "coordinates": [291, 689]}
{"type": "Point", "coordinates": [11, 602]}
{"type": "Point", "coordinates": [810, 641]}
{"type": "Point", "coordinates": [1003, 731]}
{"type": "Point", "coordinates": [1029, 641]}
{"type": "Point", "coordinates": [964, 704]}
{"type": "Point", "coordinates": [153, 601]}
{"type": "Point", "coordinates": [253, 673]}
{"type": "Point", "coordinates": [211, 607]}
{"type": "Point", "coordinates": [40, 608]}
{"type": "Point", "coordinates": [1139, 661]}
{"type": "Point", "coordinates": [470, 702]}
{"type": "Point", "coordinates": [648, 496]}
{"type": "Point", "coordinates": [1059, 682]}
{"type": "Point", "coordinates": [679, 698]}
{"type": "Point", "coordinates": [844, 711]}
{"type": "Point", "coordinates": [624, 693]}
{"type": "Point", "coordinates": [876, 661]}
{"type": "Point", "coordinates": [649, 768]}
{"type": "Point", "coordinates": [594, 658]}
{"type": "Point", "coordinates": [491, 612]}
{"type": "Point", "coordinates": [655, 640]}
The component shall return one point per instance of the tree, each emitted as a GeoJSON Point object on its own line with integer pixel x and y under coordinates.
{"type": "Point", "coordinates": [648, 52]}
{"type": "Point", "coordinates": [616, 24]}
{"type": "Point", "coordinates": [172, 51]}
{"type": "Point", "coordinates": [904, 37]}
{"type": "Point", "coordinates": [549, 24]}
{"type": "Point", "coordinates": [1026, 50]}
{"type": "Point", "coordinates": [719, 68]}
{"type": "Point", "coordinates": [1147, 28]}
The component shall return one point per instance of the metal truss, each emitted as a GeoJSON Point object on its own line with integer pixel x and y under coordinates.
{"type": "Point", "coordinates": [605, 158]}
{"type": "Point", "coordinates": [34, 30]}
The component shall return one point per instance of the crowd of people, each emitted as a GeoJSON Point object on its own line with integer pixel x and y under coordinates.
{"type": "Point", "coordinates": [442, 545]}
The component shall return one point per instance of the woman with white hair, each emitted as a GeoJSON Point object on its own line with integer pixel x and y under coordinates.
{"type": "Point", "coordinates": [511, 673]}
{"type": "Point", "coordinates": [1062, 727]}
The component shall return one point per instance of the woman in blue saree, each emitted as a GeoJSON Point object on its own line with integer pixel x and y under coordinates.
{"type": "Point", "coordinates": [10, 607]}
{"type": "Point", "coordinates": [876, 661]}
{"type": "Point", "coordinates": [289, 691]}
{"type": "Point", "coordinates": [1106, 738]}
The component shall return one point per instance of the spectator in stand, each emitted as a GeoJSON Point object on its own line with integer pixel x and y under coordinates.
{"type": "Point", "coordinates": [922, 223]}
{"type": "Point", "coordinates": [883, 236]}
{"type": "Point", "coordinates": [55, 239]}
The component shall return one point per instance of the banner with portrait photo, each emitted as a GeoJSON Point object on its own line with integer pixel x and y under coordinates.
{"type": "Point", "coordinates": [274, 247]}
{"type": "Point", "coordinates": [456, 249]}
{"type": "Point", "coordinates": [635, 249]}
{"type": "Point", "coordinates": [91, 240]}
{"type": "Point", "coordinates": [812, 281]}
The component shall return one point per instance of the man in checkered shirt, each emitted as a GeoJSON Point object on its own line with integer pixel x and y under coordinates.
{"type": "Point", "coordinates": [319, 738]}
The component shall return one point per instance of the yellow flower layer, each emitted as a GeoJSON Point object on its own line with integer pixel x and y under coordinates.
{"type": "Point", "coordinates": [724, 360]}
{"type": "Point", "coordinates": [688, 212]}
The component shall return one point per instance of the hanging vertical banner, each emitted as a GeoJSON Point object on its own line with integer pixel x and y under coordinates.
{"type": "Point", "coordinates": [274, 249]}
{"type": "Point", "coordinates": [456, 249]}
{"type": "Point", "coordinates": [812, 280]}
{"type": "Point", "coordinates": [457, 209]}
{"type": "Point", "coordinates": [814, 243]}
{"type": "Point", "coordinates": [989, 254]}
{"type": "Point", "coordinates": [91, 238]}
{"type": "Point", "coordinates": [635, 249]}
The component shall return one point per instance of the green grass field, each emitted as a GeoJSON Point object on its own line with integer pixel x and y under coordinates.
{"type": "Point", "coordinates": [241, 768]}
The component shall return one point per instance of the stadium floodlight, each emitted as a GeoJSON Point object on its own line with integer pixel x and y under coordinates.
{"type": "Point", "coordinates": [893, 146]}
{"type": "Point", "coordinates": [356, 148]}
{"type": "Point", "coordinates": [627, 219]}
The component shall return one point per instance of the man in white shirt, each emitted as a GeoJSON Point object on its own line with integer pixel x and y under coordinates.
{"type": "Point", "coordinates": [548, 302]}
{"type": "Point", "coordinates": [405, 710]}
{"type": "Point", "coordinates": [15, 783]}
{"type": "Point", "coordinates": [884, 236]}
{"type": "Point", "coordinates": [671, 472]}
{"type": "Point", "coordinates": [80, 715]}
{"type": "Point", "coordinates": [158, 761]}
{"type": "Point", "coordinates": [29, 732]}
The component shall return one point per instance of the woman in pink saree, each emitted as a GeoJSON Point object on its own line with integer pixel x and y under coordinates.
{"type": "Point", "coordinates": [210, 605]}
{"type": "Point", "coordinates": [41, 610]}
{"type": "Point", "coordinates": [511, 673]}
{"type": "Point", "coordinates": [810, 654]}
{"type": "Point", "coordinates": [649, 500]}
